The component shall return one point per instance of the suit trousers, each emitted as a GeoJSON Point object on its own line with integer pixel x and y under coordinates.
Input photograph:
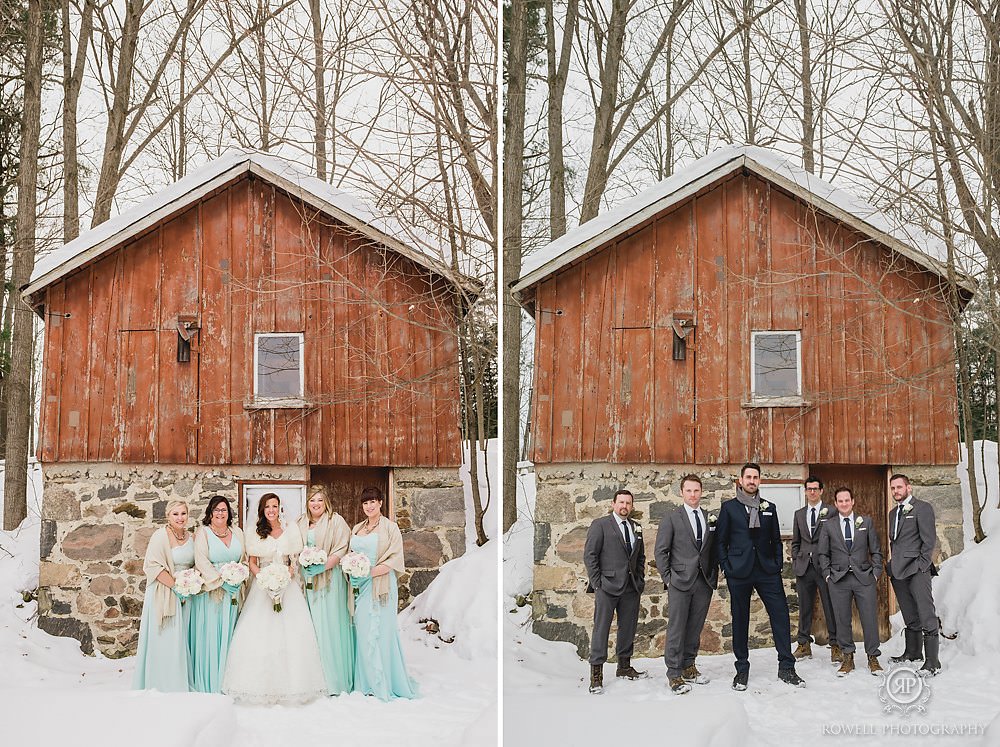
{"type": "Point", "coordinates": [605, 606]}
{"type": "Point", "coordinates": [916, 602]}
{"type": "Point", "coordinates": [806, 587]}
{"type": "Point", "coordinates": [866, 599]}
{"type": "Point", "coordinates": [686, 611]}
{"type": "Point", "coordinates": [772, 593]}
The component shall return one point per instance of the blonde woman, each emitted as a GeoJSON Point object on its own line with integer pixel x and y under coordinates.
{"type": "Point", "coordinates": [161, 662]}
{"type": "Point", "coordinates": [213, 614]}
{"type": "Point", "coordinates": [324, 528]}
{"type": "Point", "coordinates": [379, 668]}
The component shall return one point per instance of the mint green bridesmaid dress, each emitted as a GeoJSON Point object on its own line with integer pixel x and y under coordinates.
{"type": "Point", "coordinates": [212, 623]}
{"type": "Point", "coordinates": [379, 668]}
{"type": "Point", "coordinates": [332, 621]}
{"type": "Point", "coordinates": [162, 661]}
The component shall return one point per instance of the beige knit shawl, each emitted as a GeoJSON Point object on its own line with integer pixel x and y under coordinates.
{"type": "Point", "coordinates": [213, 581]}
{"type": "Point", "coordinates": [157, 560]}
{"type": "Point", "coordinates": [390, 553]}
{"type": "Point", "coordinates": [332, 534]}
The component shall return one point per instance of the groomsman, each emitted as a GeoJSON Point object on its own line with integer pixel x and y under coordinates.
{"type": "Point", "coordinates": [685, 558]}
{"type": "Point", "coordinates": [851, 561]}
{"type": "Point", "coordinates": [751, 556]}
{"type": "Point", "coordinates": [911, 541]}
{"type": "Point", "coordinates": [807, 523]}
{"type": "Point", "coordinates": [615, 560]}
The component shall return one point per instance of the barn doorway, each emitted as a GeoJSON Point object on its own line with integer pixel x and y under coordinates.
{"type": "Point", "coordinates": [344, 486]}
{"type": "Point", "coordinates": [869, 486]}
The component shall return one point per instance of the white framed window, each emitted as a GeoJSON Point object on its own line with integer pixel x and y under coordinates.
{"type": "Point", "coordinates": [776, 367]}
{"type": "Point", "coordinates": [291, 494]}
{"type": "Point", "coordinates": [278, 369]}
{"type": "Point", "coordinates": [787, 498]}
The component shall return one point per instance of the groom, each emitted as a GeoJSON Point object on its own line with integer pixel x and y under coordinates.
{"type": "Point", "coordinates": [751, 556]}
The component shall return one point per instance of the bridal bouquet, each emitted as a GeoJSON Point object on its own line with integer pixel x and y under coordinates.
{"type": "Point", "coordinates": [357, 566]}
{"type": "Point", "coordinates": [188, 583]}
{"type": "Point", "coordinates": [274, 578]}
{"type": "Point", "coordinates": [233, 574]}
{"type": "Point", "coordinates": [313, 562]}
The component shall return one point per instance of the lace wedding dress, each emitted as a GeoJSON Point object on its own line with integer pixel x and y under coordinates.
{"type": "Point", "coordinates": [274, 657]}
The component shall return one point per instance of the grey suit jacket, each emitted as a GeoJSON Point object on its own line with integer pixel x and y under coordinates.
{"type": "Point", "coordinates": [805, 549]}
{"type": "Point", "coordinates": [677, 556]}
{"type": "Point", "coordinates": [610, 568]}
{"type": "Point", "coordinates": [911, 550]}
{"type": "Point", "coordinates": [864, 559]}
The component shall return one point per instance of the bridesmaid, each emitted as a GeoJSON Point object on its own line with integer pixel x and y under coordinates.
{"type": "Point", "coordinates": [162, 661]}
{"type": "Point", "coordinates": [213, 616]}
{"type": "Point", "coordinates": [379, 668]}
{"type": "Point", "coordinates": [323, 527]}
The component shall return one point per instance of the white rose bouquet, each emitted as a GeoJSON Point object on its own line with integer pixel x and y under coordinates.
{"type": "Point", "coordinates": [188, 583]}
{"type": "Point", "coordinates": [313, 562]}
{"type": "Point", "coordinates": [357, 567]}
{"type": "Point", "coordinates": [273, 579]}
{"type": "Point", "coordinates": [233, 574]}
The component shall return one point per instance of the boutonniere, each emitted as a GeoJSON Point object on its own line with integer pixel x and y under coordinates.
{"type": "Point", "coordinates": [638, 530]}
{"type": "Point", "coordinates": [823, 512]}
{"type": "Point", "coordinates": [907, 508]}
{"type": "Point", "coordinates": [764, 505]}
{"type": "Point", "coordinates": [712, 518]}
{"type": "Point", "coordinates": [859, 521]}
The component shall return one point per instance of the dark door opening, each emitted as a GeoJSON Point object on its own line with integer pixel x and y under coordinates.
{"type": "Point", "coordinates": [344, 486]}
{"type": "Point", "coordinates": [869, 486]}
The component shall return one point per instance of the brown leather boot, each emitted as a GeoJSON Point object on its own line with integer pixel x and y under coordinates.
{"type": "Point", "coordinates": [847, 666]}
{"type": "Point", "coordinates": [597, 678]}
{"type": "Point", "coordinates": [803, 651]}
{"type": "Point", "coordinates": [836, 656]}
{"type": "Point", "coordinates": [873, 666]}
{"type": "Point", "coordinates": [691, 674]}
{"type": "Point", "coordinates": [679, 686]}
{"type": "Point", "coordinates": [625, 669]}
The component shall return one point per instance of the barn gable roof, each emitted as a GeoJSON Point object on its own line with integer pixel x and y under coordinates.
{"type": "Point", "coordinates": [354, 212]}
{"type": "Point", "coordinates": [767, 164]}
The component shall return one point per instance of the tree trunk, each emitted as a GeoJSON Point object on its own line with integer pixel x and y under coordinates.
{"type": "Point", "coordinates": [72, 81]}
{"type": "Point", "coordinates": [805, 81]}
{"type": "Point", "coordinates": [513, 160]}
{"type": "Point", "coordinates": [18, 384]}
{"type": "Point", "coordinates": [558, 73]}
{"type": "Point", "coordinates": [319, 84]}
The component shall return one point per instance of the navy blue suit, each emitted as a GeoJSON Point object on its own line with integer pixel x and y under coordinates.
{"type": "Point", "coordinates": [752, 559]}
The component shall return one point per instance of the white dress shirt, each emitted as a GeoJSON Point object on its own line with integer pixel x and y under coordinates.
{"type": "Point", "coordinates": [854, 529]}
{"type": "Point", "coordinates": [899, 515]}
{"type": "Point", "coordinates": [694, 529]}
{"type": "Point", "coordinates": [631, 532]}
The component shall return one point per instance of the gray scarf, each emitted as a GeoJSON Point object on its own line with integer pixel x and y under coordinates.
{"type": "Point", "coordinates": [753, 503]}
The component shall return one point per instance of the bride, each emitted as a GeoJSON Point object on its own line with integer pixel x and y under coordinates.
{"type": "Point", "coordinates": [274, 657]}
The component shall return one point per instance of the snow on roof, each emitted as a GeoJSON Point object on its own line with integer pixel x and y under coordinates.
{"type": "Point", "coordinates": [908, 240]}
{"type": "Point", "coordinates": [385, 229]}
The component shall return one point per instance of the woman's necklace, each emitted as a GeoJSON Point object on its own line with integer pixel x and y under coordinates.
{"type": "Point", "coordinates": [221, 536]}
{"type": "Point", "coordinates": [369, 528]}
{"type": "Point", "coordinates": [178, 537]}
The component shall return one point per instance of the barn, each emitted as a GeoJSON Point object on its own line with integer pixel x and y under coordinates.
{"type": "Point", "coordinates": [249, 329]}
{"type": "Point", "coordinates": [741, 310]}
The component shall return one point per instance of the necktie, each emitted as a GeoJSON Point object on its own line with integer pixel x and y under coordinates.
{"type": "Point", "coordinates": [697, 532]}
{"type": "Point", "coordinates": [847, 534]}
{"type": "Point", "coordinates": [812, 522]}
{"type": "Point", "coordinates": [895, 531]}
{"type": "Point", "coordinates": [628, 540]}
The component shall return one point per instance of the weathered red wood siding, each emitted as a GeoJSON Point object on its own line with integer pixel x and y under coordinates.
{"type": "Point", "coordinates": [877, 350]}
{"type": "Point", "coordinates": [381, 359]}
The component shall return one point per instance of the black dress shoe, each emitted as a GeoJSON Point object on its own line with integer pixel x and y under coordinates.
{"type": "Point", "coordinates": [740, 681]}
{"type": "Point", "coordinates": [789, 676]}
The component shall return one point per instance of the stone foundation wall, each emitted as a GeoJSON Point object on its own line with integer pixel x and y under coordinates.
{"type": "Point", "coordinates": [97, 520]}
{"type": "Point", "coordinates": [430, 512]}
{"type": "Point", "coordinates": [570, 496]}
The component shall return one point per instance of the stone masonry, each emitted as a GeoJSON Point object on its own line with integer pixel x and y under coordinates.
{"type": "Point", "coordinates": [570, 496]}
{"type": "Point", "coordinates": [97, 520]}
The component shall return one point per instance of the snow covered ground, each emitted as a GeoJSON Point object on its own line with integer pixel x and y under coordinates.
{"type": "Point", "coordinates": [545, 683]}
{"type": "Point", "coordinates": [50, 693]}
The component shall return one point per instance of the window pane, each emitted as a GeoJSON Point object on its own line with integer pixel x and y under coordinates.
{"type": "Point", "coordinates": [278, 366]}
{"type": "Point", "coordinates": [775, 362]}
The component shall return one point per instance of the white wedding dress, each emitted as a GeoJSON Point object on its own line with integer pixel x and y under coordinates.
{"type": "Point", "coordinates": [274, 657]}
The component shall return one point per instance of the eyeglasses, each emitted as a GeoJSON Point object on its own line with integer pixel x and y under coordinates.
{"type": "Point", "coordinates": [813, 490]}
